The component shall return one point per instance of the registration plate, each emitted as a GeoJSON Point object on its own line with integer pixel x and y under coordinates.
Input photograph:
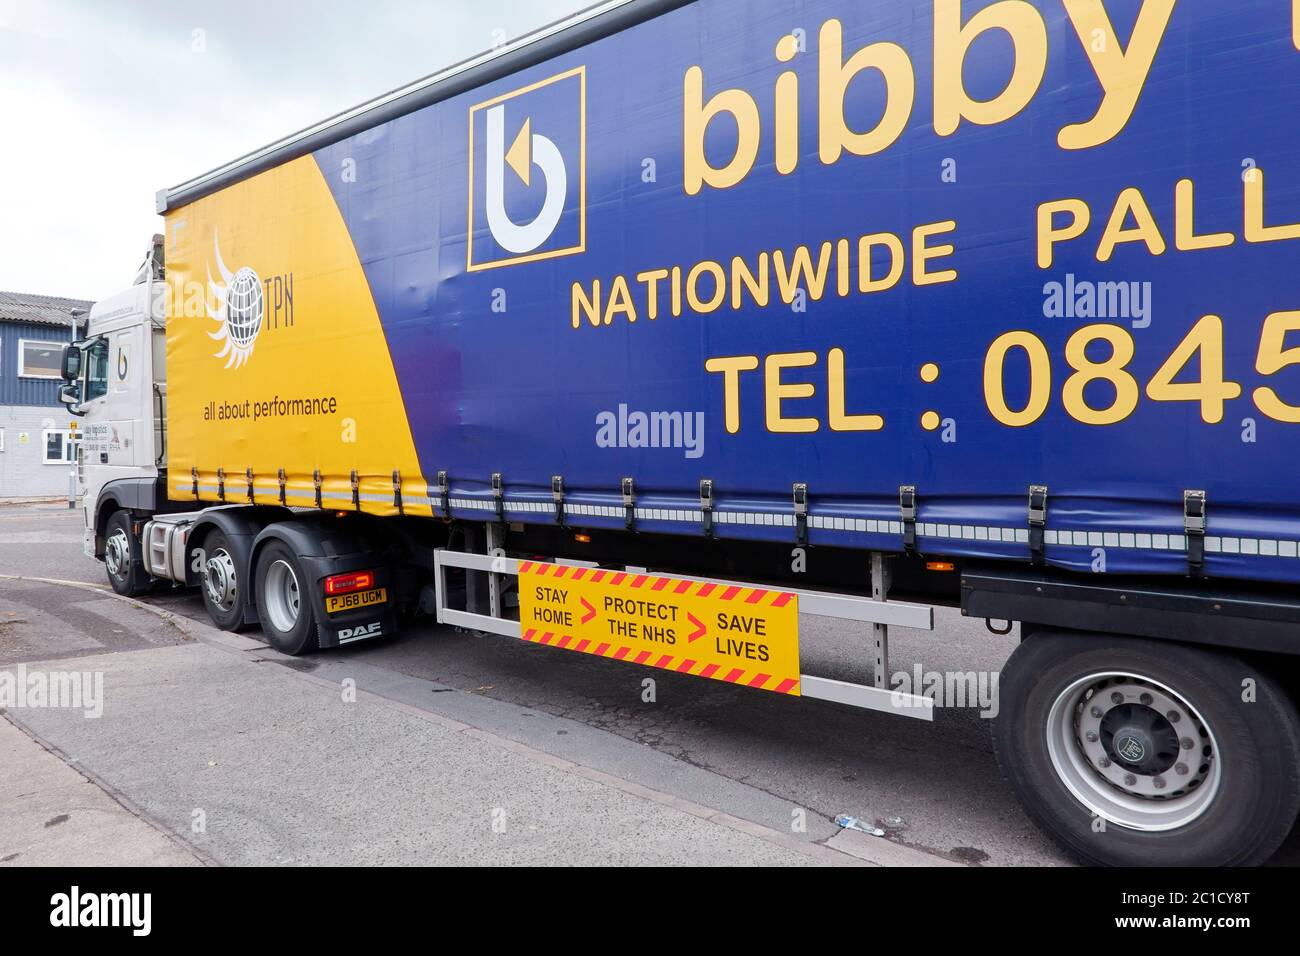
{"type": "Point", "coordinates": [350, 602]}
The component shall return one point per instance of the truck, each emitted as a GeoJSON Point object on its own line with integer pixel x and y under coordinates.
{"type": "Point", "coordinates": [647, 333]}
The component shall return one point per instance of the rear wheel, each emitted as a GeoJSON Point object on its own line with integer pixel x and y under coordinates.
{"type": "Point", "coordinates": [122, 557]}
{"type": "Point", "coordinates": [224, 595]}
{"type": "Point", "coordinates": [1138, 753]}
{"type": "Point", "coordinates": [284, 603]}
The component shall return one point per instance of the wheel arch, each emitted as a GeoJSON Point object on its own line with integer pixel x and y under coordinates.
{"type": "Point", "coordinates": [105, 508]}
{"type": "Point", "coordinates": [326, 545]}
{"type": "Point", "coordinates": [142, 496]}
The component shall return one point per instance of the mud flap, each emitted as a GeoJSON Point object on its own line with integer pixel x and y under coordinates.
{"type": "Point", "coordinates": [382, 622]}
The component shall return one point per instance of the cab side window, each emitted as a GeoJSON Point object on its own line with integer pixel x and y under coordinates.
{"type": "Point", "coordinates": [97, 370]}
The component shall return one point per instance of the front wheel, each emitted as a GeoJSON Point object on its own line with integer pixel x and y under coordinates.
{"type": "Point", "coordinates": [122, 557]}
{"type": "Point", "coordinates": [1139, 753]}
{"type": "Point", "coordinates": [284, 603]}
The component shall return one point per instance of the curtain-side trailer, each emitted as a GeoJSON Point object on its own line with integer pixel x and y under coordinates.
{"type": "Point", "coordinates": [647, 333]}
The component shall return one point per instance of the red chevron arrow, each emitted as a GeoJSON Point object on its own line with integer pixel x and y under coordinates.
{"type": "Point", "coordinates": [698, 623]}
{"type": "Point", "coordinates": [591, 611]}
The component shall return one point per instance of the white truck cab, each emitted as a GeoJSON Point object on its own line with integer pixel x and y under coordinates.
{"type": "Point", "coordinates": [116, 383]}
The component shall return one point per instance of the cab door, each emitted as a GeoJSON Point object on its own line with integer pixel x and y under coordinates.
{"type": "Point", "coordinates": [95, 431]}
{"type": "Point", "coordinates": [130, 442]}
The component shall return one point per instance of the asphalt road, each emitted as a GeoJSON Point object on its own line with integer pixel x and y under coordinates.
{"type": "Point", "coordinates": [932, 786]}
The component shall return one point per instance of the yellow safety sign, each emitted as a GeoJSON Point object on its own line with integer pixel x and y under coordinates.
{"type": "Point", "coordinates": [725, 632]}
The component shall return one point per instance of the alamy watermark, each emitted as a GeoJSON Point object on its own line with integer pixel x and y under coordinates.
{"type": "Point", "coordinates": [977, 689]}
{"type": "Point", "coordinates": [133, 911]}
{"type": "Point", "coordinates": [1083, 299]}
{"type": "Point", "coordinates": [662, 429]}
{"type": "Point", "coordinates": [73, 690]}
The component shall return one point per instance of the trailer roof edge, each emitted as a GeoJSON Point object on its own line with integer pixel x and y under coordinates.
{"type": "Point", "coordinates": [562, 36]}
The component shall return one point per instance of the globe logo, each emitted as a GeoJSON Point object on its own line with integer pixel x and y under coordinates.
{"type": "Point", "coordinates": [244, 307]}
{"type": "Point", "coordinates": [236, 305]}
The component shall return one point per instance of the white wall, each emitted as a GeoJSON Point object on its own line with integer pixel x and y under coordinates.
{"type": "Point", "coordinates": [22, 471]}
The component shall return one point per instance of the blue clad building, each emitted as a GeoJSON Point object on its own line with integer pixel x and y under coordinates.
{"type": "Point", "coordinates": [34, 446]}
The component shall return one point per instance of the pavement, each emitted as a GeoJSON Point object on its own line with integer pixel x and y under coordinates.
{"type": "Point", "coordinates": [55, 815]}
{"type": "Point", "coordinates": [443, 746]}
{"type": "Point", "coordinates": [200, 746]}
{"type": "Point", "coordinates": [198, 736]}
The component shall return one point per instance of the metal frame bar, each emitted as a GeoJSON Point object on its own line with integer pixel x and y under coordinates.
{"type": "Point", "coordinates": [496, 540]}
{"type": "Point", "coordinates": [1224, 614]}
{"type": "Point", "coordinates": [880, 629]}
{"type": "Point", "coordinates": [879, 613]}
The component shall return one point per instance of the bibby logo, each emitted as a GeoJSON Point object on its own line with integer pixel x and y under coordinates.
{"type": "Point", "coordinates": [527, 173]}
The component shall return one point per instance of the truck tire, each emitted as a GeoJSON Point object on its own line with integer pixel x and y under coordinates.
{"type": "Point", "coordinates": [285, 601]}
{"type": "Point", "coordinates": [224, 596]}
{"type": "Point", "coordinates": [1132, 752]}
{"type": "Point", "coordinates": [123, 559]}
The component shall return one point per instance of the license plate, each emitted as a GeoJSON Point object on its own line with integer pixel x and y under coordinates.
{"type": "Point", "coordinates": [350, 602]}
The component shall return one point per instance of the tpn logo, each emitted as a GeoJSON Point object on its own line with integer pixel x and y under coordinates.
{"type": "Point", "coordinates": [527, 173]}
{"type": "Point", "coordinates": [243, 304]}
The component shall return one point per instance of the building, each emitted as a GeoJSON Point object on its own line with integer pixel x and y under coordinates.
{"type": "Point", "coordinates": [34, 449]}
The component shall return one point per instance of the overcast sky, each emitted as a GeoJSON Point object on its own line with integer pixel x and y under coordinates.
{"type": "Point", "coordinates": [103, 102]}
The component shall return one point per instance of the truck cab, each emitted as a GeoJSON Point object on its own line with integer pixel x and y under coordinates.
{"type": "Point", "coordinates": [115, 382]}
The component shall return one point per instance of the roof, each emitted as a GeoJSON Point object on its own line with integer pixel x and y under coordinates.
{"type": "Point", "coordinates": [40, 309]}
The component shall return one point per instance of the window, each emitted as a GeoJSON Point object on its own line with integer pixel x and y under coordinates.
{"type": "Point", "coordinates": [59, 447]}
{"type": "Point", "coordinates": [40, 359]}
{"type": "Point", "coordinates": [96, 370]}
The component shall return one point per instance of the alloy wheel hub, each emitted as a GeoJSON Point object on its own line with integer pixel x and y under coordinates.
{"type": "Point", "coordinates": [1133, 751]}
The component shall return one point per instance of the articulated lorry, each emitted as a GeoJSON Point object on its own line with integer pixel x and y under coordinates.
{"type": "Point", "coordinates": [649, 333]}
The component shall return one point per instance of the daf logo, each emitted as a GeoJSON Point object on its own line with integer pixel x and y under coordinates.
{"type": "Point", "coordinates": [360, 631]}
{"type": "Point", "coordinates": [1130, 749]}
{"type": "Point", "coordinates": [527, 173]}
